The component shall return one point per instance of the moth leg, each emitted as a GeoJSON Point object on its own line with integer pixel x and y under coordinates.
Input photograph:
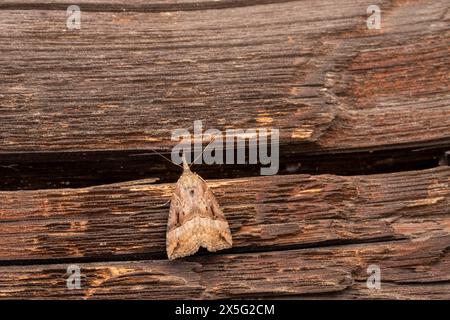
{"type": "Point", "coordinates": [177, 215]}
{"type": "Point", "coordinates": [163, 205]}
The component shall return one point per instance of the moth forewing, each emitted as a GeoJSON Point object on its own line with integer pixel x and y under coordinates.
{"type": "Point", "coordinates": [195, 218]}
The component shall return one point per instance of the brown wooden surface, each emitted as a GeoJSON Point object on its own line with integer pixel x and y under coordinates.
{"type": "Point", "coordinates": [309, 68]}
{"type": "Point", "coordinates": [405, 214]}
{"type": "Point", "coordinates": [80, 108]}
{"type": "Point", "coordinates": [264, 213]}
{"type": "Point", "coordinates": [406, 267]}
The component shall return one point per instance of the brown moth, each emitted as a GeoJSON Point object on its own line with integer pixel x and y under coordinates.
{"type": "Point", "coordinates": [195, 218]}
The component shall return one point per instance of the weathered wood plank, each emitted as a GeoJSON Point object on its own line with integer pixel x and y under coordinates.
{"type": "Point", "coordinates": [133, 5]}
{"type": "Point", "coordinates": [263, 212]}
{"type": "Point", "coordinates": [121, 84]}
{"type": "Point", "coordinates": [309, 68]}
{"type": "Point", "coordinates": [404, 265]}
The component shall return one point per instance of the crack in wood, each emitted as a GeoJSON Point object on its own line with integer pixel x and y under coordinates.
{"type": "Point", "coordinates": [135, 5]}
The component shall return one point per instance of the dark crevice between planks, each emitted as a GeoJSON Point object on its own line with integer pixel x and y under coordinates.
{"type": "Point", "coordinates": [411, 282]}
{"type": "Point", "coordinates": [201, 252]}
{"type": "Point", "coordinates": [135, 5]}
{"type": "Point", "coordinates": [52, 170]}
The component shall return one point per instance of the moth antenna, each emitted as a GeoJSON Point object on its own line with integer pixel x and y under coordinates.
{"type": "Point", "coordinates": [11, 166]}
{"type": "Point", "coordinates": [209, 143]}
{"type": "Point", "coordinates": [156, 152]}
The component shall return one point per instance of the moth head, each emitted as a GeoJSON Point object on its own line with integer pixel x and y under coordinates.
{"type": "Point", "coordinates": [191, 186]}
{"type": "Point", "coordinates": [192, 194]}
{"type": "Point", "coordinates": [185, 164]}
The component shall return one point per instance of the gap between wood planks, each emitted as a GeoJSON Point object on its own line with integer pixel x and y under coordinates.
{"type": "Point", "coordinates": [133, 5]}
{"type": "Point", "coordinates": [52, 170]}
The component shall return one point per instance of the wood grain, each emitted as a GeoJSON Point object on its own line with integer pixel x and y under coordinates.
{"type": "Point", "coordinates": [84, 108]}
{"type": "Point", "coordinates": [264, 213]}
{"type": "Point", "coordinates": [127, 79]}
{"type": "Point", "coordinates": [405, 265]}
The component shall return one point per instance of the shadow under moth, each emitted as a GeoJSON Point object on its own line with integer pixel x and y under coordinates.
{"type": "Point", "coordinates": [195, 218]}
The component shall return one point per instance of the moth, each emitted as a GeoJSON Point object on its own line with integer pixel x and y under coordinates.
{"type": "Point", "coordinates": [195, 218]}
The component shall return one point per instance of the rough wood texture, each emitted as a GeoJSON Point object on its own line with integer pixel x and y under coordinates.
{"type": "Point", "coordinates": [79, 108]}
{"type": "Point", "coordinates": [125, 80]}
{"type": "Point", "coordinates": [405, 265]}
{"type": "Point", "coordinates": [263, 213]}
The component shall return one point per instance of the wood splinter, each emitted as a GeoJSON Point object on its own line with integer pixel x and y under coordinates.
{"type": "Point", "coordinates": [195, 218]}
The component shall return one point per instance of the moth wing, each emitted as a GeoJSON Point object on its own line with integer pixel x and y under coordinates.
{"type": "Point", "coordinates": [224, 239]}
{"type": "Point", "coordinates": [176, 243]}
{"type": "Point", "coordinates": [205, 229]}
